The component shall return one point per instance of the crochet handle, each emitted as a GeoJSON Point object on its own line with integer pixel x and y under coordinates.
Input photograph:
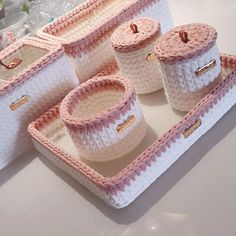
{"type": "Point", "coordinates": [184, 36]}
{"type": "Point", "coordinates": [134, 28]}
{"type": "Point", "coordinates": [14, 63]}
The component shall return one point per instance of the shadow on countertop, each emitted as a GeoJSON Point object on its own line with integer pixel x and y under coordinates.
{"type": "Point", "coordinates": [14, 167]}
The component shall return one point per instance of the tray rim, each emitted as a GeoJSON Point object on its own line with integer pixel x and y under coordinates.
{"type": "Point", "coordinates": [117, 182]}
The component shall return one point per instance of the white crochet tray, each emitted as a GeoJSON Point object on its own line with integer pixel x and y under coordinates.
{"type": "Point", "coordinates": [121, 181]}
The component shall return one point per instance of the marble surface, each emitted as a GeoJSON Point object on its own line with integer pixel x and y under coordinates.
{"type": "Point", "coordinates": [194, 197]}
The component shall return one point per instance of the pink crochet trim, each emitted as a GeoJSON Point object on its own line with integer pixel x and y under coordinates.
{"type": "Point", "coordinates": [102, 32]}
{"type": "Point", "coordinates": [54, 52]}
{"type": "Point", "coordinates": [228, 60]}
{"type": "Point", "coordinates": [171, 49]}
{"type": "Point", "coordinates": [118, 182]}
{"type": "Point", "coordinates": [94, 86]}
{"type": "Point", "coordinates": [125, 40]}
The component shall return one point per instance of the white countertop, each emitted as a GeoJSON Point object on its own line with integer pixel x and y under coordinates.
{"type": "Point", "coordinates": [196, 196]}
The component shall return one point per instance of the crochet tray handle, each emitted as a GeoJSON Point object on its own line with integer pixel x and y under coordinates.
{"type": "Point", "coordinates": [12, 64]}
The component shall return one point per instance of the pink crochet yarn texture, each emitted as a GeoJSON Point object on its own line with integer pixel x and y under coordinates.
{"type": "Point", "coordinates": [124, 39]}
{"type": "Point", "coordinates": [93, 86]}
{"type": "Point", "coordinates": [171, 49]}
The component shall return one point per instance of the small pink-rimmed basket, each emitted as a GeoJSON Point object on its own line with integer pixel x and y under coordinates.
{"type": "Point", "coordinates": [104, 118]}
{"type": "Point", "coordinates": [34, 76]}
{"type": "Point", "coordinates": [85, 31]}
{"type": "Point", "coordinates": [121, 189]}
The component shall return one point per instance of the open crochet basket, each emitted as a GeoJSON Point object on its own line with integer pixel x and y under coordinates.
{"type": "Point", "coordinates": [85, 31]}
{"type": "Point", "coordinates": [34, 76]}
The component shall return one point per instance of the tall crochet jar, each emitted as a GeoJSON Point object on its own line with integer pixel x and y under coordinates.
{"type": "Point", "coordinates": [104, 118]}
{"type": "Point", "coordinates": [190, 62]}
{"type": "Point", "coordinates": [134, 43]}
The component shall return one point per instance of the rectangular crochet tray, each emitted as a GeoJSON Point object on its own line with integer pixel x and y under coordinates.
{"type": "Point", "coordinates": [169, 135]}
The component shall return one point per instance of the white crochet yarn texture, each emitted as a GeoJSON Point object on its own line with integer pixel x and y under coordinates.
{"type": "Point", "coordinates": [45, 89]}
{"type": "Point", "coordinates": [182, 88]}
{"type": "Point", "coordinates": [144, 74]}
{"type": "Point", "coordinates": [147, 176]}
{"type": "Point", "coordinates": [89, 63]}
{"type": "Point", "coordinates": [108, 144]}
{"type": "Point", "coordinates": [184, 72]}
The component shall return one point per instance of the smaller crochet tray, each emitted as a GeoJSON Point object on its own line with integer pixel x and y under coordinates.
{"type": "Point", "coordinates": [169, 135]}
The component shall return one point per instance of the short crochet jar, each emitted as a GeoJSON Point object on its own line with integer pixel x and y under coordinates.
{"type": "Point", "coordinates": [189, 62]}
{"type": "Point", "coordinates": [134, 43]}
{"type": "Point", "coordinates": [103, 118]}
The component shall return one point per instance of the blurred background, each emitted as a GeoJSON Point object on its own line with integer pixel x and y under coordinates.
{"type": "Point", "coordinates": [24, 17]}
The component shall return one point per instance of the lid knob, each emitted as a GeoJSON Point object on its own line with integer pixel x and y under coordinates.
{"type": "Point", "coordinates": [134, 28]}
{"type": "Point", "coordinates": [184, 36]}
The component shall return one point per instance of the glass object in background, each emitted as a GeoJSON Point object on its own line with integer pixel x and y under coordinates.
{"type": "Point", "coordinates": [27, 16]}
{"type": "Point", "coordinates": [13, 27]}
{"type": "Point", "coordinates": [42, 12]}
{"type": "Point", "coordinates": [13, 6]}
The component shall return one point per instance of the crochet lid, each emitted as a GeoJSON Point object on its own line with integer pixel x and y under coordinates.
{"type": "Point", "coordinates": [185, 42]}
{"type": "Point", "coordinates": [135, 34]}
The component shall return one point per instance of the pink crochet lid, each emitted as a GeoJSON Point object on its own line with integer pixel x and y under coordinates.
{"type": "Point", "coordinates": [52, 53]}
{"type": "Point", "coordinates": [185, 42]}
{"type": "Point", "coordinates": [135, 34]}
{"type": "Point", "coordinates": [95, 85]}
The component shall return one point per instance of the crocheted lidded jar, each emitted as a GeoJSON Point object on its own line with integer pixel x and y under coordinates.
{"type": "Point", "coordinates": [134, 43]}
{"type": "Point", "coordinates": [103, 118]}
{"type": "Point", "coordinates": [189, 61]}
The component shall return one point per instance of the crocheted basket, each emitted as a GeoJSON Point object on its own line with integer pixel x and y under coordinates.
{"type": "Point", "coordinates": [85, 31]}
{"type": "Point", "coordinates": [134, 43]}
{"type": "Point", "coordinates": [34, 75]}
{"type": "Point", "coordinates": [138, 171]}
{"type": "Point", "coordinates": [189, 62]}
{"type": "Point", "coordinates": [103, 118]}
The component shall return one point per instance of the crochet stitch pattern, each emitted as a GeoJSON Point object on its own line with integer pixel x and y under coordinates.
{"type": "Point", "coordinates": [93, 112]}
{"type": "Point", "coordinates": [43, 82]}
{"type": "Point", "coordinates": [132, 51]}
{"type": "Point", "coordinates": [121, 189]}
{"type": "Point", "coordinates": [93, 39]}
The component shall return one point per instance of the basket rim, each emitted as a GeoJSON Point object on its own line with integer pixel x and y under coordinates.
{"type": "Point", "coordinates": [54, 51]}
{"type": "Point", "coordinates": [82, 11]}
{"type": "Point", "coordinates": [95, 85]}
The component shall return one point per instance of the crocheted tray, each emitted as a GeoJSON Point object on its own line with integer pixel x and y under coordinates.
{"type": "Point", "coordinates": [85, 31]}
{"type": "Point", "coordinates": [119, 182]}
